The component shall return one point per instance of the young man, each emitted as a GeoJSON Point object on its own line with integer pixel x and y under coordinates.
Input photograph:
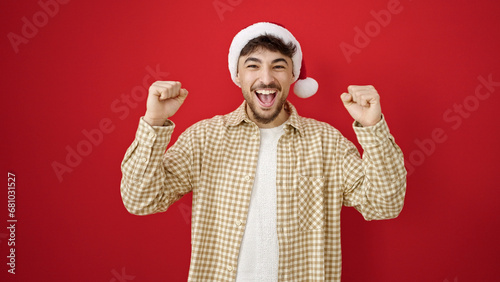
{"type": "Point", "coordinates": [268, 185]}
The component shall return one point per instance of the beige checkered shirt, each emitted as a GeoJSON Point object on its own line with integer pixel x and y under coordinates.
{"type": "Point", "coordinates": [318, 172]}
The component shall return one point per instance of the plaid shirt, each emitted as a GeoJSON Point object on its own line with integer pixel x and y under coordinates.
{"type": "Point", "coordinates": [318, 172]}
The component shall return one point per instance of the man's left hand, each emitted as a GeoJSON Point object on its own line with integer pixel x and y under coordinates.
{"type": "Point", "coordinates": [363, 104]}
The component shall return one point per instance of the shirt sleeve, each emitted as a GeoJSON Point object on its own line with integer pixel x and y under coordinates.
{"type": "Point", "coordinates": [148, 185]}
{"type": "Point", "coordinates": [376, 183]}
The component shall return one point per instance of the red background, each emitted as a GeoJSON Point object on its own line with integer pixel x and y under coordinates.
{"type": "Point", "coordinates": [71, 74]}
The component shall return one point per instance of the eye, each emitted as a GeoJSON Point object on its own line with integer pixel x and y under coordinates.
{"type": "Point", "coordinates": [279, 67]}
{"type": "Point", "coordinates": [252, 66]}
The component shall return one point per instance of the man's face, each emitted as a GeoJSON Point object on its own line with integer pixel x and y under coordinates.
{"type": "Point", "coordinates": [265, 78]}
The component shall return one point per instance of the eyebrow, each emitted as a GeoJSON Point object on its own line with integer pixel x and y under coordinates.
{"type": "Point", "coordinates": [253, 59]}
{"type": "Point", "coordinates": [279, 60]}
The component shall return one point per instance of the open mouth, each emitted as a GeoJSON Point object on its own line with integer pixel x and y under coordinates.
{"type": "Point", "coordinates": [266, 97]}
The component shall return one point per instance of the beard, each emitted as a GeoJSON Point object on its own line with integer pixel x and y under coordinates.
{"type": "Point", "coordinates": [268, 118]}
{"type": "Point", "coordinates": [265, 119]}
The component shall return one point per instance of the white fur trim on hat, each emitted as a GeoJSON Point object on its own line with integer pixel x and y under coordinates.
{"type": "Point", "coordinates": [304, 87]}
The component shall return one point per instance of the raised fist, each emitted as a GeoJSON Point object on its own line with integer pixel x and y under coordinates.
{"type": "Point", "coordinates": [164, 99]}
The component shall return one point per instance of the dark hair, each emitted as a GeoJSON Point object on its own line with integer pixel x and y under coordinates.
{"type": "Point", "coordinates": [271, 43]}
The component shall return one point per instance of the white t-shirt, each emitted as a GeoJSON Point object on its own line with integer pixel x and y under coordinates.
{"type": "Point", "coordinates": [259, 257]}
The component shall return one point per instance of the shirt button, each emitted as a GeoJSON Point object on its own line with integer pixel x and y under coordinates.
{"type": "Point", "coordinates": [239, 222]}
{"type": "Point", "coordinates": [229, 268]}
{"type": "Point", "coordinates": [144, 160]}
{"type": "Point", "coordinates": [152, 135]}
{"type": "Point", "coordinates": [247, 178]}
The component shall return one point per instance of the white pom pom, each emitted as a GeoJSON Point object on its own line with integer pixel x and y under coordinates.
{"type": "Point", "coordinates": [305, 88]}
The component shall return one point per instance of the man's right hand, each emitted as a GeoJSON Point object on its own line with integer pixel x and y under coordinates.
{"type": "Point", "coordinates": [164, 99]}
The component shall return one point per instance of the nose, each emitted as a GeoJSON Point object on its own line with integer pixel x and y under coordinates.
{"type": "Point", "coordinates": [266, 76]}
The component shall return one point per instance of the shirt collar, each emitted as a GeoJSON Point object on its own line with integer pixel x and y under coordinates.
{"type": "Point", "coordinates": [240, 115]}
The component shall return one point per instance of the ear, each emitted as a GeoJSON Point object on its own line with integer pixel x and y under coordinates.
{"type": "Point", "coordinates": [237, 78]}
{"type": "Point", "coordinates": [292, 78]}
{"type": "Point", "coordinates": [293, 74]}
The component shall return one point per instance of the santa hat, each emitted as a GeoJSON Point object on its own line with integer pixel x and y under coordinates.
{"type": "Point", "coordinates": [305, 86]}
